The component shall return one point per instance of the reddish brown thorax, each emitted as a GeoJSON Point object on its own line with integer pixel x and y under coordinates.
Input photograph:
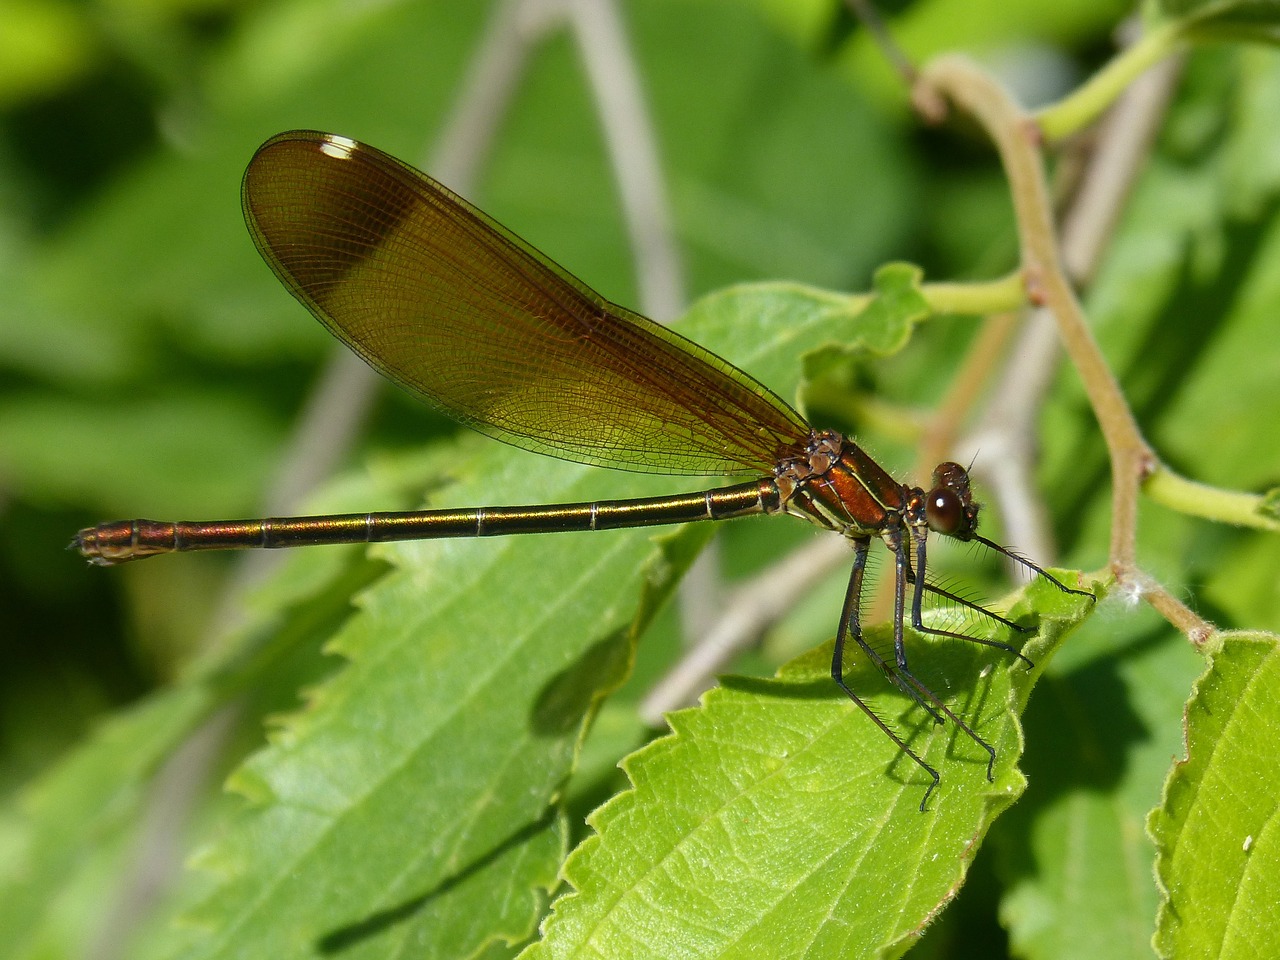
{"type": "Point", "coordinates": [836, 485]}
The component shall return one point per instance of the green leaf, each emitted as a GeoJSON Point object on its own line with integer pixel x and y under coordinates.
{"type": "Point", "coordinates": [809, 321]}
{"type": "Point", "coordinates": [1244, 20]}
{"type": "Point", "coordinates": [472, 671]}
{"type": "Point", "coordinates": [1217, 831]}
{"type": "Point", "coordinates": [81, 818]}
{"type": "Point", "coordinates": [410, 801]}
{"type": "Point", "coordinates": [897, 287]}
{"type": "Point", "coordinates": [778, 821]}
{"type": "Point", "coordinates": [1100, 729]}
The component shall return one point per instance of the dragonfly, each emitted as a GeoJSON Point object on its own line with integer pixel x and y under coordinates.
{"type": "Point", "coordinates": [452, 307]}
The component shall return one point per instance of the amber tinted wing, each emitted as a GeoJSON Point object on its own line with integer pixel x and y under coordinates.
{"type": "Point", "coordinates": [456, 309]}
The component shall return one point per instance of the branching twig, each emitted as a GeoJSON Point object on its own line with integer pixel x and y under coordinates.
{"type": "Point", "coordinates": [1018, 142]}
{"type": "Point", "coordinates": [1090, 100]}
{"type": "Point", "coordinates": [1006, 434]}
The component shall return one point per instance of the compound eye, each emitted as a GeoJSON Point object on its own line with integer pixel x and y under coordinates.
{"type": "Point", "coordinates": [943, 511]}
